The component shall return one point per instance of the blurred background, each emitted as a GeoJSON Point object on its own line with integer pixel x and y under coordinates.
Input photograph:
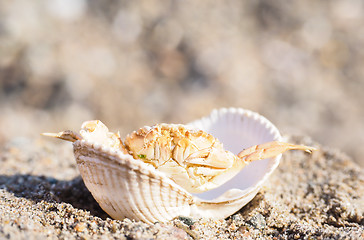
{"type": "Point", "coordinates": [135, 63]}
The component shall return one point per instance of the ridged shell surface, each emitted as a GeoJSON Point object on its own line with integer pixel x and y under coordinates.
{"type": "Point", "coordinates": [125, 187]}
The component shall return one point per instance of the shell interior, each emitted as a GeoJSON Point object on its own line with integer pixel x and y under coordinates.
{"type": "Point", "coordinates": [238, 129]}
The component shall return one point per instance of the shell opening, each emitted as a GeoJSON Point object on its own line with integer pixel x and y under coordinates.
{"type": "Point", "coordinates": [239, 129]}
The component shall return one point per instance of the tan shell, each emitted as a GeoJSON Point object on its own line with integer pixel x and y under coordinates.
{"type": "Point", "coordinates": [128, 188]}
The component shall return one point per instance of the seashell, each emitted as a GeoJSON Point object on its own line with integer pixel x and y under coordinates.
{"type": "Point", "coordinates": [126, 187]}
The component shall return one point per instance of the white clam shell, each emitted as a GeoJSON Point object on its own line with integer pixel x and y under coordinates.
{"type": "Point", "coordinates": [124, 187]}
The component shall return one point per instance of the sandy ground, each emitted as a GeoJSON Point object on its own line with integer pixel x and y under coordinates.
{"type": "Point", "coordinates": [316, 196]}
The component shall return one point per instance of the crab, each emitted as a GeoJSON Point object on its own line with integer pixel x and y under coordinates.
{"type": "Point", "coordinates": [192, 158]}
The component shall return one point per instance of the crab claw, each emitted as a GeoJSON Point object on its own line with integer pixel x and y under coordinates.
{"type": "Point", "coordinates": [67, 135]}
{"type": "Point", "coordinates": [270, 149]}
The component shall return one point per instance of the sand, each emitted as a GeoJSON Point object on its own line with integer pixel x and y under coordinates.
{"type": "Point", "coordinates": [318, 196]}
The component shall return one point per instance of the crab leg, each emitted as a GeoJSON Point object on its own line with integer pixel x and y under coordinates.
{"type": "Point", "coordinates": [210, 157]}
{"type": "Point", "coordinates": [270, 149]}
{"type": "Point", "coordinates": [67, 135]}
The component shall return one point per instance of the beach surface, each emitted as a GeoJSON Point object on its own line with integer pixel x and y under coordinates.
{"type": "Point", "coordinates": [310, 196]}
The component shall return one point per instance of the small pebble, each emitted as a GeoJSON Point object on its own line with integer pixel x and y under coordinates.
{"type": "Point", "coordinates": [258, 221]}
{"type": "Point", "coordinates": [80, 227]}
